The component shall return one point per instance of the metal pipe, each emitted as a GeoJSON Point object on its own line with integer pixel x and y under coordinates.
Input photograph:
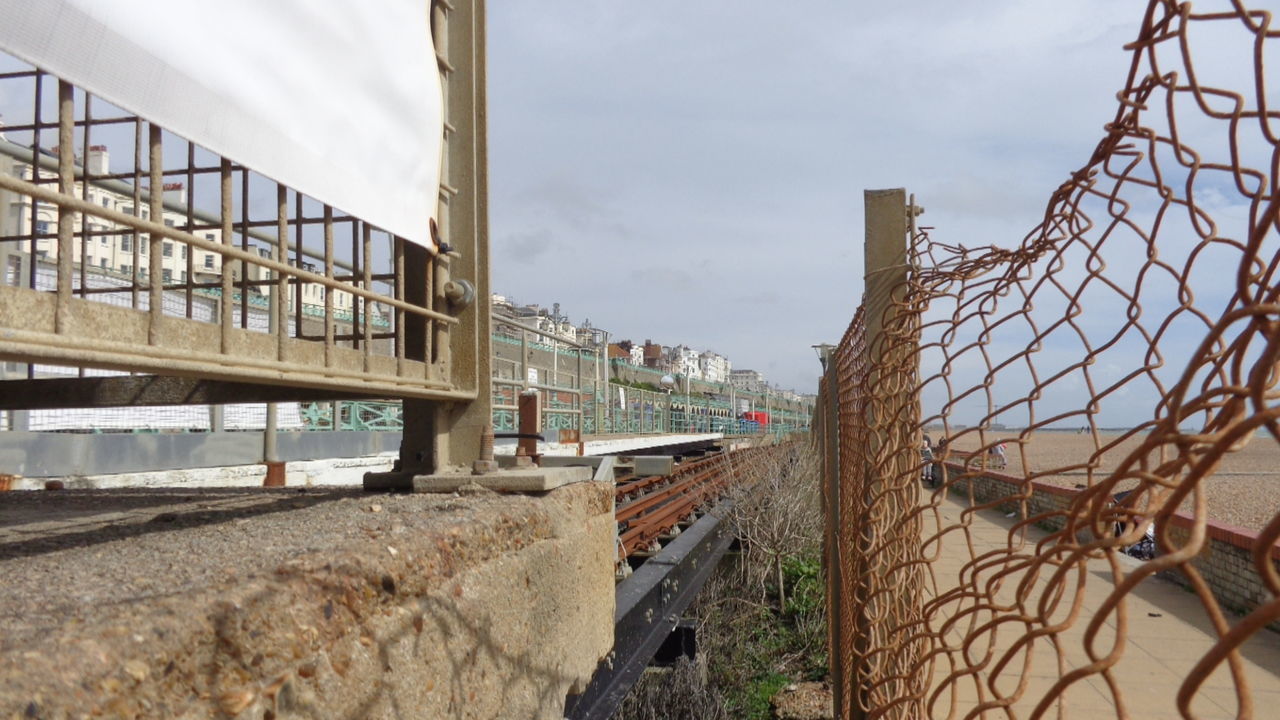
{"type": "Point", "coordinates": [135, 246]}
{"type": "Point", "coordinates": [84, 194]}
{"type": "Point", "coordinates": [157, 229]}
{"type": "Point", "coordinates": [356, 306]}
{"type": "Point", "coordinates": [225, 319]}
{"type": "Point", "coordinates": [277, 308]}
{"type": "Point", "coordinates": [269, 452]}
{"type": "Point", "coordinates": [66, 186]}
{"type": "Point", "coordinates": [328, 296]}
{"type": "Point", "coordinates": [107, 353]}
{"type": "Point", "coordinates": [155, 241]}
{"type": "Point", "coordinates": [524, 360]}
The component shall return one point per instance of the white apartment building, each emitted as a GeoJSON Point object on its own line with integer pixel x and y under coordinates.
{"type": "Point", "coordinates": [685, 361]}
{"type": "Point", "coordinates": [715, 367]}
{"type": "Point", "coordinates": [559, 328]}
{"type": "Point", "coordinates": [110, 247]}
{"type": "Point", "coordinates": [748, 380]}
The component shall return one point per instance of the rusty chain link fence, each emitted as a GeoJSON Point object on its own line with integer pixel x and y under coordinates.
{"type": "Point", "coordinates": [1052, 471]}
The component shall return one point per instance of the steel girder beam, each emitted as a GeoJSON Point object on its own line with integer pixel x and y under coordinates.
{"type": "Point", "coordinates": [649, 605]}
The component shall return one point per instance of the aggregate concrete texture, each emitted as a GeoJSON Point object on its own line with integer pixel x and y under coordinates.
{"type": "Point", "coordinates": [302, 603]}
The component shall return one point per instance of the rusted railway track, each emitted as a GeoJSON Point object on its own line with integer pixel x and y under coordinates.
{"type": "Point", "coordinates": [651, 507]}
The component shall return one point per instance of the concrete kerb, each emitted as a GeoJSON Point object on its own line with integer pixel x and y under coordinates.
{"type": "Point", "coordinates": [535, 479]}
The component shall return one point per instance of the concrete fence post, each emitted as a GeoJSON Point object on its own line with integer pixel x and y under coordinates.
{"type": "Point", "coordinates": [888, 420]}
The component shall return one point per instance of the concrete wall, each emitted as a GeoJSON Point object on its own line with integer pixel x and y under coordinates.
{"type": "Point", "coordinates": [631, 373]}
{"type": "Point", "coordinates": [41, 454]}
{"type": "Point", "coordinates": [1225, 561]}
{"type": "Point", "coordinates": [331, 604]}
{"type": "Point", "coordinates": [507, 364]}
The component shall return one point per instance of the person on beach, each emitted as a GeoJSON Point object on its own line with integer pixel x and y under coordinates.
{"type": "Point", "coordinates": [995, 456]}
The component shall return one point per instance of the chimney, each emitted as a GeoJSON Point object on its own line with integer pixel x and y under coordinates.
{"type": "Point", "coordinates": [97, 161]}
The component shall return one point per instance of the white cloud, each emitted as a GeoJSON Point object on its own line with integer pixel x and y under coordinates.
{"type": "Point", "coordinates": [731, 141]}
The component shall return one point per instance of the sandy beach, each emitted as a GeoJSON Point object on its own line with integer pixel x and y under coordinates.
{"type": "Point", "coordinates": [1244, 491]}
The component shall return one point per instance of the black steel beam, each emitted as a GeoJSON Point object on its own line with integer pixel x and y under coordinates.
{"type": "Point", "coordinates": [649, 605]}
{"type": "Point", "coordinates": [129, 390]}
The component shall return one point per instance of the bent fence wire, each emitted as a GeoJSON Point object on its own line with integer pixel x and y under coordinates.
{"type": "Point", "coordinates": [1113, 375]}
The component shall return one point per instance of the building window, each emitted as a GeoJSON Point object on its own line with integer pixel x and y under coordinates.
{"type": "Point", "coordinates": [184, 252]}
{"type": "Point", "coordinates": [264, 252]}
{"type": "Point", "coordinates": [42, 227]}
{"type": "Point", "coordinates": [126, 243]}
{"type": "Point", "coordinates": [166, 275]}
{"type": "Point", "coordinates": [144, 244]}
{"type": "Point", "coordinates": [127, 269]}
{"type": "Point", "coordinates": [106, 202]}
{"type": "Point", "coordinates": [127, 209]}
{"type": "Point", "coordinates": [102, 262]}
{"type": "Point", "coordinates": [167, 249]}
{"type": "Point", "coordinates": [208, 261]}
{"type": "Point", "coordinates": [103, 239]}
{"type": "Point", "coordinates": [210, 237]}
{"type": "Point", "coordinates": [168, 222]}
{"type": "Point", "coordinates": [184, 276]}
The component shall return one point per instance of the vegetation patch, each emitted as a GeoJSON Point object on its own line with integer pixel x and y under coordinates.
{"type": "Point", "coordinates": [762, 617]}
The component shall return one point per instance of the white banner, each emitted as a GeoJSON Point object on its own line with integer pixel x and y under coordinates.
{"type": "Point", "coordinates": [338, 99]}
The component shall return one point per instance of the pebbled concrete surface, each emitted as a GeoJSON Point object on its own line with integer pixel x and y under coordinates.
{"type": "Point", "coordinates": [314, 603]}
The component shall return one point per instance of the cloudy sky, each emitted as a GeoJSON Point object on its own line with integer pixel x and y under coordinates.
{"type": "Point", "coordinates": [693, 172]}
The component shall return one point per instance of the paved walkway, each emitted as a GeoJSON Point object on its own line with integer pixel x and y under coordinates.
{"type": "Point", "coordinates": [1168, 632]}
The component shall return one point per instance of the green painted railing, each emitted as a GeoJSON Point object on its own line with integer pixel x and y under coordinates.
{"type": "Point", "coordinates": [631, 412]}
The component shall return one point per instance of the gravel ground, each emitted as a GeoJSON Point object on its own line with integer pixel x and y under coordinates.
{"type": "Point", "coordinates": [804, 701]}
{"type": "Point", "coordinates": [1244, 491]}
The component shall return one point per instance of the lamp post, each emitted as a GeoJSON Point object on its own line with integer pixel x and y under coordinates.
{"type": "Point", "coordinates": [824, 353]}
{"type": "Point", "coordinates": [668, 383]}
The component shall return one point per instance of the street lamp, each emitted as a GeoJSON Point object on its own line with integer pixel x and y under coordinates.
{"type": "Point", "coordinates": [824, 353]}
{"type": "Point", "coordinates": [668, 383]}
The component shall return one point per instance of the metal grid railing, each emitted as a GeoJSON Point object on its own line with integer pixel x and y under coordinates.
{"type": "Point", "coordinates": [133, 249]}
{"type": "Point", "coordinates": [1103, 383]}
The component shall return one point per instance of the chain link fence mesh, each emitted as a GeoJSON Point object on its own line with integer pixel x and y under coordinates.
{"type": "Point", "coordinates": [1007, 428]}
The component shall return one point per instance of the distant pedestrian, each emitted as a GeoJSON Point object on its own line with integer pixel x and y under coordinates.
{"type": "Point", "coordinates": [935, 473]}
{"type": "Point", "coordinates": [997, 456]}
{"type": "Point", "coordinates": [926, 455]}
